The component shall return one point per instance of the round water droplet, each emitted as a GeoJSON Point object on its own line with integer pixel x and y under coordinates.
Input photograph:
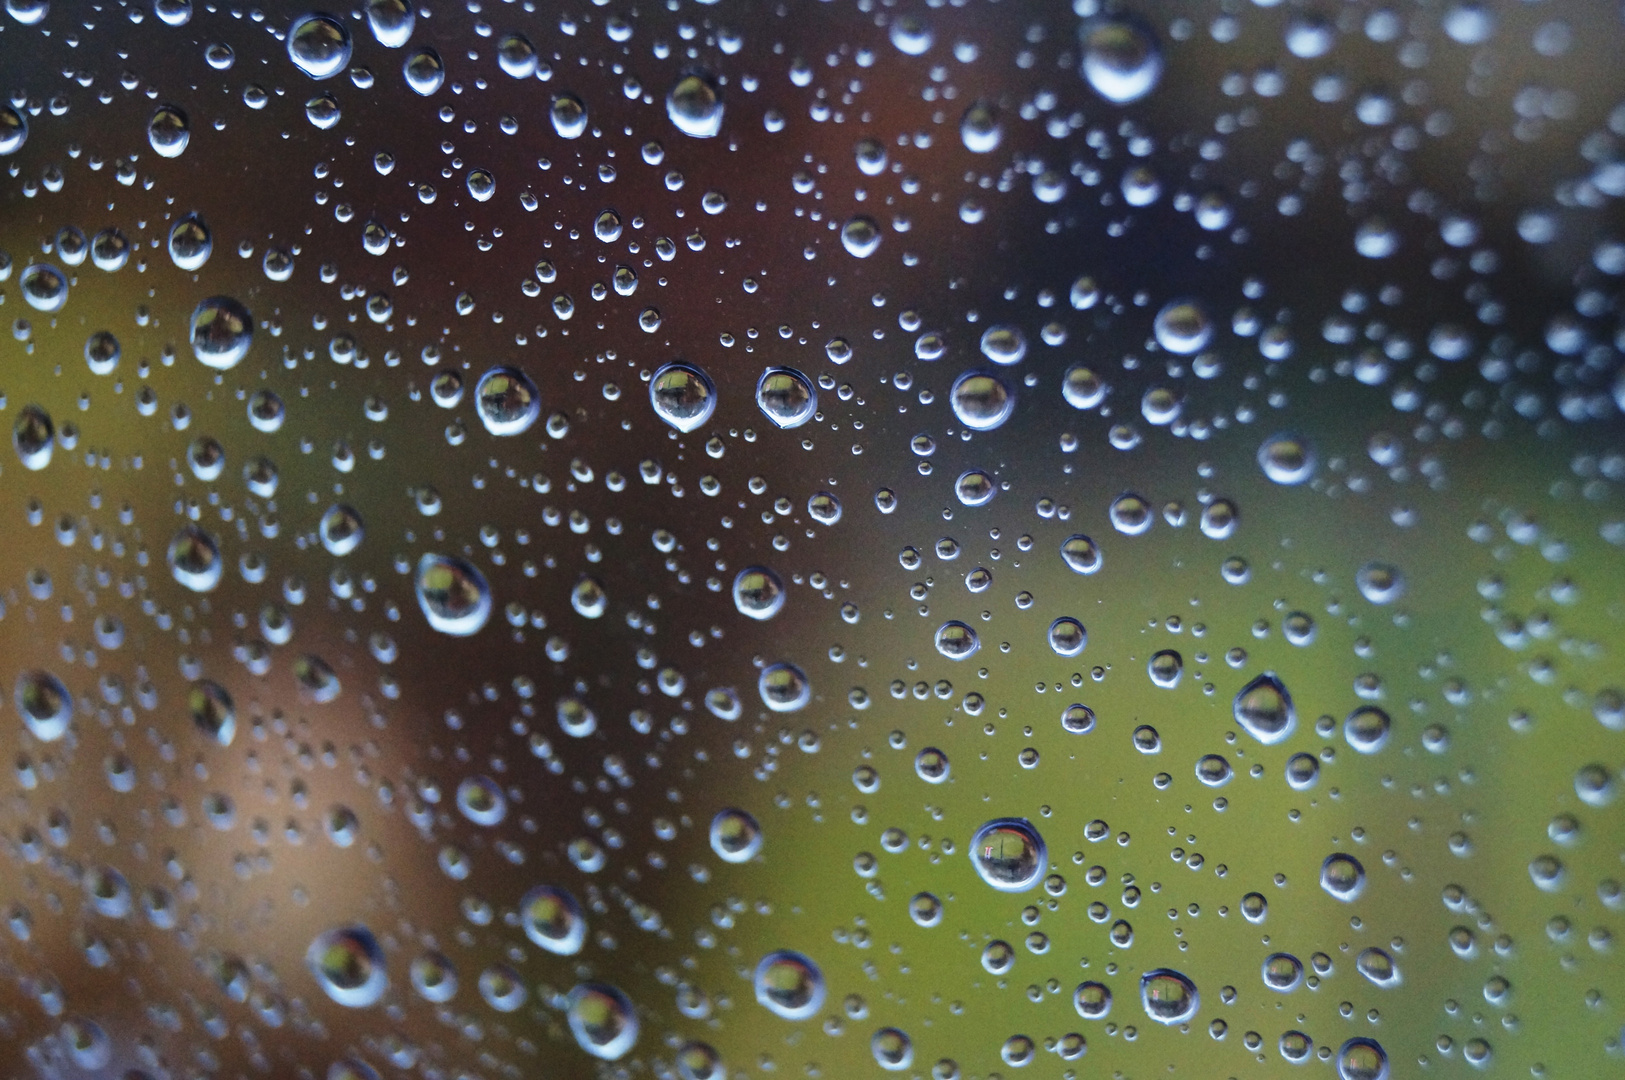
{"type": "Point", "coordinates": [1183, 327]}
{"type": "Point", "coordinates": [911, 35]}
{"type": "Point", "coordinates": [891, 1049]}
{"type": "Point", "coordinates": [1004, 344]}
{"type": "Point", "coordinates": [824, 508]}
{"type": "Point", "coordinates": [735, 836]}
{"type": "Point", "coordinates": [1078, 719]}
{"type": "Point", "coordinates": [1092, 1000]}
{"type": "Point", "coordinates": [758, 592]}
{"type": "Point", "coordinates": [784, 687]}
{"type": "Point", "coordinates": [789, 985]}
{"type": "Point", "coordinates": [1168, 996]}
{"type": "Point", "coordinates": [569, 116]}
{"type": "Point", "coordinates": [424, 71]}
{"type": "Point", "coordinates": [1380, 583]}
{"type": "Point", "coordinates": [1165, 668]}
{"type": "Point", "coordinates": [998, 957]}
{"type": "Point", "coordinates": [1009, 854]}
{"type": "Point", "coordinates": [102, 352]}
{"type": "Point", "coordinates": [194, 559]}
{"type": "Point", "coordinates": [1067, 636]}
{"type": "Point", "coordinates": [981, 400]}
{"type": "Point", "coordinates": [1287, 459]}
{"type": "Point", "coordinates": [348, 964]}
{"type": "Point", "coordinates": [507, 402]}
{"type": "Point", "coordinates": [482, 800]}
{"type": "Point", "coordinates": [979, 128]}
{"type": "Point", "coordinates": [168, 131]}
{"type": "Point", "coordinates": [173, 12]}
{"type": "Point", "coordinates": [434, 977]}
{"type": "Point", "coordinates": [1264, 709]}
{"type": "Point", "coordinates": [44, 704]}
{"type": "Point", "coordinates": [13, 130]}
{"type": "Point", "coordinates": [1213, 770]}
{"type": "Point", "coordinates": [392, 21]}
{"type": "Point", "coordinates": [1366, 729]}
{"type": "Point", "coordinates": [190, 243]}
{"type": "Point", "coordinates": [860, 236]}
{"type": "Point", "coordinates": [1122, 59]}
{"type": "Point", "coordinates": [1362, 1059]}
{"type": "Point", "coordinates": [974, 488]}
{"type": "Point", "coordinates": [700, 1061]}
{"type": "Point", "coordinates": [1342, 877]}
{"type": "Point", "coordinates": [786, 397]}
{"type": "Point", "coordinates": [516, 55]}
{"type": "Point", "coordinates": [316, 679]}
{"type": "Point", "coordinates": [1081, 554]}
{"type": "Point", "coordinates": [212, 711]}
{"type": "Point", "coordinates": [221, 332]}
{"type": "Point", "coordinates": [925, 910]}
{"type": "Point", "coordinates": [1130, 514]}
{"type": "Point", "coordinates": [931, 765]}
{"type": "Point", "coordinates": [1282, 972]}
{"type": "Point", "coordinates": [453, 595]}
{"type": "Point", "coordinates": [33, 436]}
{"type": "Point", "coordinates": [589, 599]}
{"type": "Point", "coordinates": [683, 396]}
{"type": "Point", "coordinates": [341, 530]}
{"type": "Point", "coordinates": [319, 45]}
{"type": "Point", "coordinates": [44, 287]}
{"type": "Point", "coordinates": [956, 640]}
{"type": "Point", "coordinates": [553, 920]}
{"type": "Point", "coordinates": [695, 105]}
{"type": "Point", "coordinates": [1377, 966]}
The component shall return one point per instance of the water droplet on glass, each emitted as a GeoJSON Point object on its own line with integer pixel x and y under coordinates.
{"type": "Point", "coordinates": [453, 594]}
{"type": "Point", "coordinates": [735, 836]}
{"type": "Point", "coordinates": [1092, 1000]}
{"type": "Point", "coordinates": [1366, 729]}
{"type": "Point", "coordinates": [758, 592]}
{"type": "Point", "coordinates": [683, 396]}
{"type": "Point", "coordinates": [319, 45]}
{"type": "Point", "coordinates": [786, 397]}
{"type": "Point", "coordinates": [194, 559]}
{"type": "Point", "coordinates": [1362, 1059]}
{"type": "Point", "coordinates": [1380, 583]}
{"type": "Point", "coordinates": [212, 711]}
{"type": "Point", "coordinates": [1122, 59]}
{"type": "Point", "coordinates": [44, 704]}
{"type": "Point", "coordinates": [1183, 327]}
{"type": "Point", "coordinates": [979, 128]}
{"type": "Point", "coordinates": [784, 687]}
{"type": "Point", "coordinates": [44, 287]}
{"type": "Point", "coordinates": [392, 21]}
{"type": "Point", "coordinates": [348, 964]}
{"type": "Point", "coordinates": [33, 436]}
{"type": "Point", "coordinates": [481, 800]}
{"type": "Point", "coordinates": [190, 243]}
{"type": "Point", "coordinates": [861, 237]}
{"type": "Point", "coordinates": [1342, 877]}
{"type": "Point", "coordinates": [695, 105]}
{"type": "Point", "coordinates": [1264, 709]}
{"type": "Point", "coordinates": [516, 55]}
{"type": "Point", "coordinates": [1009, 854]}
{"type": "Point", "coordinates": [981, 400]}
{"type": "Point", "coordinates": [1287, 459]}
{"type": "Point", "coordinates": [931, 765]}
{"type": "Point", "coordinates": [569, 116]}
{"type": "Point", "coordinates": [789, 985]}
{"type": "Point", "coordinates": [13, 130]}
{"type": "Point", "coordinates": [1377, 966]}
{"type": "Point", "coordinates": [911, 35]}
{"type": "Point", "coordinates": [891, 1049]}
{"type": "Point", "coordinates": [588, 598]}
{"type": "Point", "coordinates": [1168, 996]}
{"type": "Point", "coordinates": [1081, 554]}
{"type": "Point", "coordinates": [956, 640]}
{"type": "Point", "coordinates": [424, 71]}
{"type": "Point", "coordinates": [102, 352]}
{"type": "Point", "coordinates": [507, 401]}
{"type": "Point", "coordinates": [1067, 636]}
{"type": "Point", "coordinates": [553, 920]}
{"type": "Point", "coordinates": [168, 131]}
{"type": "Point", "coordinates": [221, 332]}
{"type": "Point", "coordinates": [602, 1020]}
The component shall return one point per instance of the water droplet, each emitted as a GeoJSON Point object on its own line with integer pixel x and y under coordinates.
{"type": "Point", "coordinates": [319, 45]}
{"type": "Point", "coordinates": [931, 765]}
{"type": "Point", "coordinates": [789, 985]}
{"type": "Point", "coordinates": [589, 599]}
{"type": "Point", "coordinates": [1092, 1000]}
{"type": "Point", "coordinates": [824, 508]}
{"type": "Point", "coordinates": [44, 704]}
{"type": "Point", "coordinates": [102, 352]}
{"type": "Point", "coordinates": [453, 594]}
{"type": "Point", "coordinates": [212, 711]}
{"type": "Point", "coordinates": [1380, 583]}
{"type": "Point", "coordinates": [434, 977]}
{"type": "Point", "coordinates": [1067, 636]}
{"type": "Point", "coordinates": [892, 1050]}
{"type": "Point", "coordinates": [392, 21]}
{"type": "Point", "coordinates": [1362, 1059]}
{"type": "Point", "coordinates": [482, 801]}
{"type": "Point", "coordinates": [784, 687]}
{"type": "Point", "coordinates": [683, 396]}
{"type": "Point", "coordinates": [1366, 729]}
{"type": "Point", "coordinates": [974, 488]}
{"type": "Point", "coordinates": [1081, 554]}
{"type": "Point", "coordinates": [1009, 854]}
{"type": "Point", "coordinates": [44, 287]}
{"type": "Point", "coordinates": [998, 957]}
{"type": "Point", "coordinates": [33, 436]}
{"type": "Point", "coordinates": [569, 116]}
{"type": "Point", "coordinates": [194, 559]}
{"type": "Point", "coordinates": [1342, 877]}
{"type": "Point", "coordinates": [316, 679]}
{"type": "Point", "coordinates": [786, 397]}
{"type": "Point", "coordinates": [1376, 965]}
{"type": "Point", "coordinates": [190, 243]}
{"type": "Point", "coordinates": [424, 71]}
{"type": "Point", "coordinates": [735, 836]}
{"type": "Point", "coordinates": [553, 920]}
{"type": "Point", "coordinates": [1287, 459]}
{"type": "Point", "coordinates": [1282, 972]}
{"type": "Point", "coordinates": [168, 131]}
{"type": "Point", "coordinates": [1122, 59]}
{"type": "Point", "coordinates": [221, 332]}
{"type": "Point", "coordinates": [861, 237]}
{"type": "Point", "coordinates": [981, 400]}
{"type": "Point", "coordinates": [507, 402]}
{"type": "Point", "coordinates": [13, 130]}
{"type": "Point", "coordinates": [695, 105]}
{"type": "Point", "coordinates": [911, 35]}
{"type": "Point", "coordinates": [516, 55]}
{"type": "Point", "coordinates": [1004, 344]}
{"type": "Point", "coordinates": [1183, 327]}
{"type": "Point", "coordinates": [348, 964]}
{"type": "Point", "coordinates": [341, 530]}
{"type": "Point", "coordinates": [758, 592]}
{"type": "Point", "coordinates": [700, 1061]}
{"type": "Point", "coordinates": [1130, 514]}
{"type": "Point", "coordinates": [925, 909]}
{"type": "Point", "coordinates": [1168, 996]}
{"type": "Point", "coordinates": [1213, 770]}
{"type": "Point", "coordinates": [979, 128]}
{"type": "Point", "coordinates": [1264, 709]}
{"type": "Point", "coordinates": [956, 640]}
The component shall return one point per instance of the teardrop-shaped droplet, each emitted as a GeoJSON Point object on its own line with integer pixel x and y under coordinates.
{"type": "Point", "coordinates": [424, 71]}
{"type": "Point", "coordinates": [553, 920]}
{"type": "Point", "coordinates": [44, 704]}
{"type": "Point", "coordinates": [569, 116]}
{"type": "Point", "coordinates": [786, 397]}
{"type": "Point", "coordinates": [33, 435]}
{"type": "Point", "coordinates": [1264, 709]}
{"type": "Point", "coordinates": [212, 711]}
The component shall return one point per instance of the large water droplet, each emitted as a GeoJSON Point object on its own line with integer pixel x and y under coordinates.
{"type": "Point", "coordinates": [516, 55]}
{"type": "Point", "coordinates": [1067, 636]}
{"type": "Point", "coordinates": [1380, 583]}
{"type": "Point", "coordinates": [1183, 327]}
{"type": "Point", "coordinates": [194, 559]}
{"type": "Point", "coordinates": [1377, 966]}
{"type": "Point", "coordinates": [168, 131]}
{"type": "Point", "coordinates": [1081, 554]}
{"type": "Point", "coordinates": [221, 332]}
{"type": "Point", "coordinates": [1366, 729]}
{"type": "Point", "coordinates": [784, 687]}
{"type": "Point", "coordinates": [602, 1020]}
{"type": "Point", "coordinates": [980, 129]}
{"type": "Point", "coordinates": [319, 45]}
{"type": "Point", "coordinates": [695, 105]}
{"type": "Point", "coordinates": [861, 237]}
{"type": "Point", "coordinates": [758, 592]}
{"type": "Point", "coordinates": [1168, 996]}
{"type": "Point", "coordinates": [1362, 1059]}
{"type": "Point", "coordinates": [1009, 854]}
{"type": "Point", "coordinates": [569, 116]}
{"type": "Point", "coordinates": [44, 704]}
{"type": "Point", "coordinates": [683, 396]}
{"type": "Point", "coordinates": [1122, 59]}
{"type": "Point", "coordinates": [1264, 709]}
{"type": "Point", "coordinates": [1287, 459]}
{"type": "Point", "coordinates": [981, 400]}
{"type": "Point", "coordinates": [190, 243]}
{"type": "Point", "coordinates": [786, 397]}
{"type": "Point", "coordinates": [348, 964]}
{"type": "Point", "coordinates": [956, 640]}
{"type": "Point", "coordinates": [453, 594]}
{"type": "Point", "coordinates": [507, 402]}
{"type": "Point", "coordinates": [33, 436]}
{"type": "Point", "coordinates": [44, 287]}
{"type": "Point", "coordinates": [789, 985]}
{"type": "Point", "coordinates": [341, 530]}
{"type": "Point", "coordinates": [735, 836]}
{"type": "Point", "coordinates": [553, 920]}
{"type": "Point", "coordinates": [1342, 877]}
{"type": "Point", "coordinates": [392, 21]}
